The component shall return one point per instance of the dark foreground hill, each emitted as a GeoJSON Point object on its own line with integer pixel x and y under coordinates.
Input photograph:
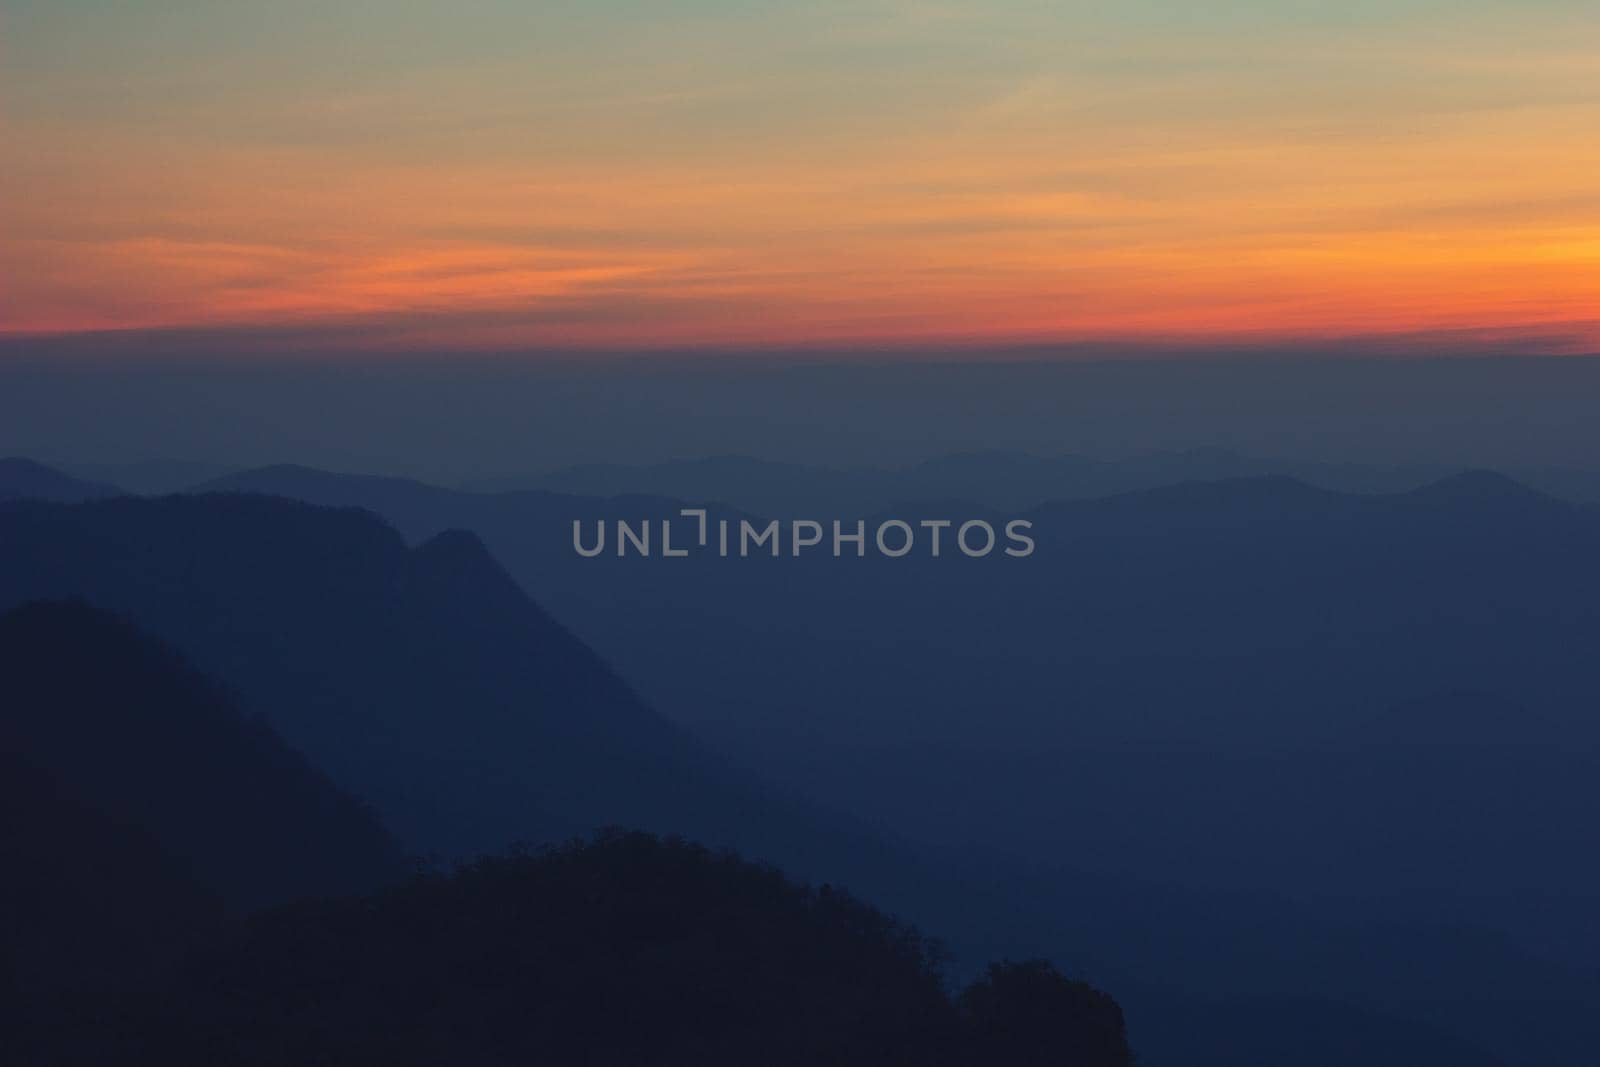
{"type": "Point", "coordinates": [161, 807]}
{"type": "Point", "coordinates": [87, 898]}
{"type": "Point", "coordinates": [627, 951]}
{"type": "Point", "coordinates": [119, 724]}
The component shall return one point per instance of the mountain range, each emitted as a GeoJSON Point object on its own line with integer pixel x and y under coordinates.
{"type": "Point", "coordinates": [424, 680]}
{"type": "Point", "coordinates": [995, 480]}
{"type": "Point", "coordinates": [24, 479]}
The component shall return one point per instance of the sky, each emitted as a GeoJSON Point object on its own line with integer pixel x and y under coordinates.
{"type": "Point", "coordinates": [501, 174]}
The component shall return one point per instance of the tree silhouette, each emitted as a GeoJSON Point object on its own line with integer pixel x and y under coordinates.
{"type": "Point", "coordinates": [1029, 1014]}
{"type": "Point", "coordinates": [626, 949]}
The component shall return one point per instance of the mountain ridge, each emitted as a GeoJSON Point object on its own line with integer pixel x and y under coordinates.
{"type": "Point", "coordinates": [22, 478]}
{"type": "Point", "coordinates": [143, 734]}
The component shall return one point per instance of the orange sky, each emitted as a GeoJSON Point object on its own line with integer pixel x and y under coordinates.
{"type": "Point", "coordinates": [476, 175]}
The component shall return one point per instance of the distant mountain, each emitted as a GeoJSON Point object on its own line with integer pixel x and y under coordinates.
{"type": "Point", "coordinates": [125, 727]}
{"type": "Point", "coordinates": [1570, 483]}
{"type": "Point", "coordinates": [755, 485]}
{"type": "Point", "coordinates": [23, 479]}
{"type": "Point", "coordinates": [151, 476]}
{"type": "Point", "coordinates": [1191, 612]}
{"type": "Point", "coordinates": [993, 480]}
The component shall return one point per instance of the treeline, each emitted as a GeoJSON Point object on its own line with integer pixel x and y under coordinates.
{"type": "Point", "coordinates": [625, 949]}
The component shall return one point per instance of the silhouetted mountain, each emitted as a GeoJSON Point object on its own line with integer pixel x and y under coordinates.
{"type": "Point", "coordinates": [761, 486]}
{"type": "Point", "coordinates": [424, 679]}
{"type": "Point", "coordinates": [23, 479]}
{"type": "Point", "coordinates": [151, 476]}
{"type": "Point", "coordinates": [1172, 689]}
{"type": "Point", "coordinates": [127, 729]}
{"type": "Point", "coordinates": [625, 951]}
{"type": "Point", "coordinates": [1569, 483]}
{"type": "Point", "coordinates": [89, 899]}
{"type": "Point", "coordinates": [519, 960]}
{"type": "Point", "coordinates": [995, 480]}
{"type": "Point", "coordinates": [1176, 600]}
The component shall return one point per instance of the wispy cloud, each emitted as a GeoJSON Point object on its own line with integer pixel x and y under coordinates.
{"type": "Point", "coordinates": [830, 171]}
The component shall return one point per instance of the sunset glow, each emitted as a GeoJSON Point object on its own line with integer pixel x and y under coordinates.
{"type": "Point", "coordinates": [489, 173]}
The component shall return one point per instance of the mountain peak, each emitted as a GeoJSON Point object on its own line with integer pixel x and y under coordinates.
{"type": "Point", "coordinates": [456, 553]}
{"type": "Point", "coordinates": [1478, 484]}
{"type": "Point", "coordinates": [291, 475]}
